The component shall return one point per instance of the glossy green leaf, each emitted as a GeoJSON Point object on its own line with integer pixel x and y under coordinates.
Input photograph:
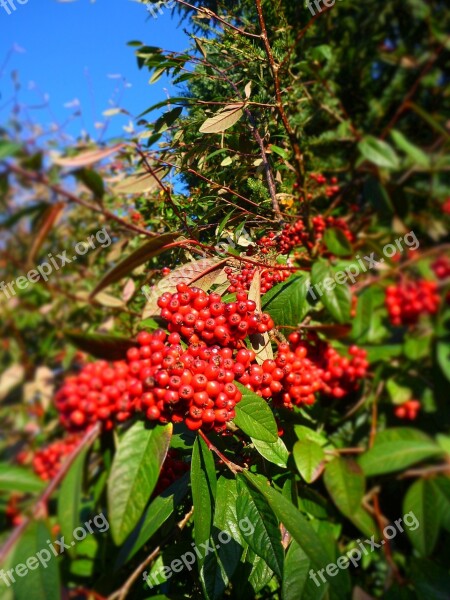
{"type": "Point", "coordinates": [106, 347]}
{"type": "Point", "coordinates": [40, 579]}
{"type": "Point", "coordinates": [422, 501]}
{"type": "Point", "coordinates": [335, 297]}
{"type": "Point", "coordinates": [18, 479]}
{"type": "Point", "coordinates": [379, 153]}
{"type": "Point", "coordinates": [204, 486]}
{"type": "Point", "coordinates": [134, 474]}
{"type": "Point", "coordinates": [287, 302]}
{"type": "Point", "coordinates": [309, 458]}
{"type": "Point", "coordinates": [254, 417]}
{"type": "Point", "coordinates": [396, 449]}
{"type": "Point", "coordinates": [264, 536]}
{"type": "Point", "coordinates": [274, 452]}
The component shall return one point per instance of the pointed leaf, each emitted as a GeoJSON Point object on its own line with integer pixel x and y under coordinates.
{"type": "Point", "coordinates": [223, 120]}
{"type": "Point", "coordinates": [134, 474]}
{"type": "Point", "coordinates": [254, 416]}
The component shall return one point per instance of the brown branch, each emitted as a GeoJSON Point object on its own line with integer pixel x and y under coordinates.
{"type": "Point", "coordinates": [279, 100]}
{"type": "Point", "coordinates": [41, 504]}
{"type": "Point", "coordinates": [232, 466]}
{"type": "Point", "coordinates": [60, 191]}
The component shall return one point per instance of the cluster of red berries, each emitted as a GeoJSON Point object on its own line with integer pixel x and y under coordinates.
{"type": "Point", "coordinates": [241, 281]}
{"type": "Point", "coordinates": [441, 267]}
{"type": "Point", "coordinates": [305, 367]}
{"type": "Point", "coordinates": [290, 379]}
{"type": "Point", "coordinates": [408, 410]}
{"type": "Point", "coordinates": [331, 185]}
{"type": "Point", "coordinates": [408, 300]}
{"type": "Point", "coordinates": [267, 242]}
{"type": "Point", "coordinates": [298, 234]}
{"type": "Point", "coordinates": [341, 375]}
{"type": "Point", "coordinates": [97, 394]}
{"type": "Point", "coordinates": [48, 461]}
{"type": "Point", "coordinates": [446, 207]}
{"type": "Point", "coordinates": [172, 469]}
{"type": "Point", "coordinates": [194, 385]}
{"type": "Point", "coordinates": [197, 316]}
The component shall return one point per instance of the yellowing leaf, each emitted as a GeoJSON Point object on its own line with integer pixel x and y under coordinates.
{"type": "Point", "coordinates": [223, 120]}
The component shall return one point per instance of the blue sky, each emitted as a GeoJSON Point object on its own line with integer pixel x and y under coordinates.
{"type": "Point", "coordinates": [77, 51]}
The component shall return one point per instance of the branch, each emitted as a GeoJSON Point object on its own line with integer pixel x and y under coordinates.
{"type": "Point", "coordinates": [40, 178]}
{"type": "Point", "coordinates": [41, 504]}
{"type": "Point", "coordinates": [276, 79]}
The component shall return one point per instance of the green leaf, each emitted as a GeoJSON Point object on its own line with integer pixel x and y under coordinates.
{"type": "Point", "coordinates": [223, 120]}
{"type": "Point", "coordinates": [157, 513]}
{"type": "Point", "coordinates": [134, 474]}
{"type": "Point", "coordinates": [396, 449]}
{"type": "Point", "coordinates": [254, 416]}
{"type": "Point", "coordinates": [204, 487]}
{"type": "Point", "coordinates": [274, 452]}
{"type": "Point", "coordinates": [379, 153]}
{"type": "Point", "coordinates": [106, 347]}
{"type": "Point", "coordinates": [92, 181]}
{"type": "Point", "coordinates": [17, 479]}
{"type": "Point", "coordinates": [336, 242]}
{"type": "Point", "coordinates": [309, 458]}
{"type": "Point", "coordinates": [149, 250]}
{"type": "Point", "coordinates": [8, 149]}
{"type": "Point", "coordinates": [415, 154]}
{"type": "Point", "coordinates": [430, 580]}
{"type": "Point", "coordinates": [297, 582]}
{"type": "Point", "coordinates": [40, 583]}
{"type": "Point", "coordinates": [286, 303]}
{"type": "Point", "coordinates": [443, 356]}
{"type": "Point", "coordinates": [301, 530]}
{"type": "Point", "coordinates": [421, 500]}
{"type": "Point", "coordinates": [335, 297]}
{"type": "Point", "coordinates": [69, 497]}
{"type": "Point", "coordinates": [345, 483]}
{"type": "Point", "coordinates": [220, 565]}
{"type": "Point", "coordinates": [264, 538]}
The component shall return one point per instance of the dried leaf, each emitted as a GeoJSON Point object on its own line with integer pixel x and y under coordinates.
{"type": "Point", "coordinates": [87, 158]}
{"type": "Point", "coordinates": [260, 341]}
{"type": "Point", "coordinates": [11, 378]}
{"type": "Point", "coordinates": [47, 221]}
{"type": "Point", "coordinates": [224, 119]}
{"type": "Point", "coordinates": [140, 183]}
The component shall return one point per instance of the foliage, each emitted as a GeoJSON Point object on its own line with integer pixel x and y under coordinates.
{"type": "Point", "coordinates": [331, 135]}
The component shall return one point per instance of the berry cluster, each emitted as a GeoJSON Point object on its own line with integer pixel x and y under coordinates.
{"type": "Point", "coordinates": [194, 385]}
{"type": "Point", "coordinates": [408, 410]}
{"type": "Point", "coordinates": [331, 185]}
{"type": "Point", "coordinates": [298, 234]}
{"type": "Point", "coordinates": [197, 316]}
{"type": "Point", "coordinates": [441, 267]}
{"type": "Point", "coordinates": [48, 461]}
{"type": "Point", "coordinates": [408, 300]}
{"type": "Point", "coordinates": [267, 242]}
{"type": "Point", "coordinates": [97, 393]}
{"type": "Point", "coordinates": [303, 368]}
{"type": "Point", "coordinates": [241, 280]}
{"type": "Point", "coordinates": [172, 469]}
{"type": "Point", "coordinates": [291, 378]}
